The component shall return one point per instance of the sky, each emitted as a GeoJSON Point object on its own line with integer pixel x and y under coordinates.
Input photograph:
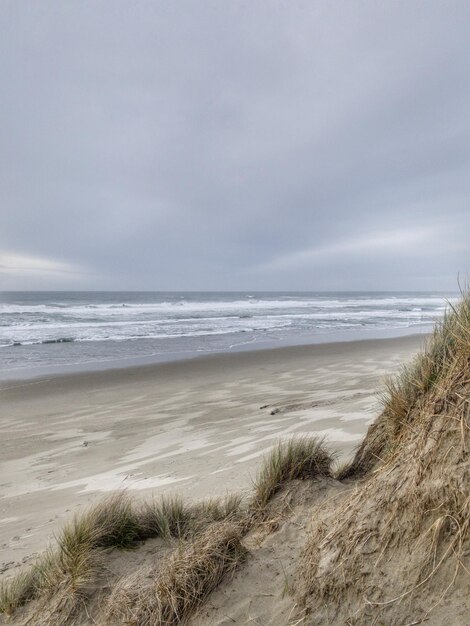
{"type": "Point", "coordinates": [234, 145]}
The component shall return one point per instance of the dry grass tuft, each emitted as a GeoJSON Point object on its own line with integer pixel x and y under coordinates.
{"type": "Point", "coordinates": [71, 567]}
{"type": "Point", "coordinates": [116, 522]}
{"type": "Point", "coordinates": [297, 458]}
{"type": "Point", "coordinates": [168, 595]}
{"type": "Point", "coordinates": [340, 470]}
{"type": "Point", "coordinates": [171, 517]}
{"type": "Point", "coordinates": [168, 517]}
{"type": "Point", "coordinates": [206, 512]}
{"type": "Point", "coordinates": [16, 591]}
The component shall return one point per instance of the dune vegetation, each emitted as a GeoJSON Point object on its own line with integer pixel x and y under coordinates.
{"type": "Point", "coordinates": [396, 550]}
{"type": "Point", "coordinates": [208, 546]}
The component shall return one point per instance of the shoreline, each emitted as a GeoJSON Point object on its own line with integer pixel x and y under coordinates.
{"type": "Point", "coordinates": [113, 362]}
{"type": "Point", "coordinates": [126, 365]}
{"type": "Point", "coordinates": [196, 427]}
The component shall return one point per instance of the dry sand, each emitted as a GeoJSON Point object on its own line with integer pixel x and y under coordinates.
{"type": "Point", "coordinates": [196, 427]}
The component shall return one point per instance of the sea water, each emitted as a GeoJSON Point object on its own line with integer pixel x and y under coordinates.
{"type": "Point", "coordinates": [63, 331]}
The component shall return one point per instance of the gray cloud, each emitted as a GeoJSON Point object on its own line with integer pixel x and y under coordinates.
{"type": "Point", "coordinates": [234, 145]}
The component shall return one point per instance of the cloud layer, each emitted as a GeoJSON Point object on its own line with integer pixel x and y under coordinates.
{"type": "Point", "coordinates": [235, 145]}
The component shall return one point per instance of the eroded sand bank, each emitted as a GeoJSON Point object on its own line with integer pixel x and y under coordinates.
{"type": "Point", "coordinates": [196, 427]}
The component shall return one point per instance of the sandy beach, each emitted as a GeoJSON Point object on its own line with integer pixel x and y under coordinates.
{"type": "Point", "coordinates": [195, 427]}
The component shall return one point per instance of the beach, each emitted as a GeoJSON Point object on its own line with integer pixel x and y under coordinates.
{"type": "Point", "coordinates": [195, 427]}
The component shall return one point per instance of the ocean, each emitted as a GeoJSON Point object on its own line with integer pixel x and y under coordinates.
{"type": "Point", "coordinates": [43, 332]}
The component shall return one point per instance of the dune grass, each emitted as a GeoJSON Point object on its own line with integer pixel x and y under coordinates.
{"type": "Point", "coordinates": [406, 526]}
{"type": "Point", "coordinates": [297, 458]}
{"type": "Point", "coordinates": [228, 508]}
{"type": "Point", "coordinates": [16, 591]}
{"type": "Point", "coordinates": [67, 571]}
{"type": "Point", "coordinates": [214, 547]}
{"type": "Point", "coordinates": [71, 566]}
{"type": "Point", "coordinates": [340, 469]}
{"type": "Point", "coordinates": [168, 594]}
{"type": "Point", "coordinates": [115, 522]}
{"type": "Point", "coordinates": [449, 342]}
{"type": "Point", "coordinates": [171, 516]}
{"type": "Point", "coordinates": [168, 517]}
{"type": "Point", "coordinates": [407, 392]}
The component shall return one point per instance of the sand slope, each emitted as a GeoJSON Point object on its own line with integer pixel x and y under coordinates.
{"type": "Point", "coordinates": [262, 590]}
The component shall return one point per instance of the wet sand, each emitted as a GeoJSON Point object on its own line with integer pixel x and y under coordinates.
{"type": "Point", "coordinates": [195, 427]}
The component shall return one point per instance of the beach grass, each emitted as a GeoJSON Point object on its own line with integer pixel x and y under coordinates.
{"type": "Point", "coordinates": [168, 517]}
{"type": "Point", "coordinates": [297, 458]}
{"type": "Point", "coordinates": [119, 522]}
{"type": "Point", "coordinates": [71, 566]}
{"type": "Point", "coordinates": [168, 594]}
{"type": "Point", "coordinates": [406, 393]}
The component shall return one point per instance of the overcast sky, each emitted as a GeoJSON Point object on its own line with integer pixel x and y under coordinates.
{"type": "Point", "coordinates": [234, 144]}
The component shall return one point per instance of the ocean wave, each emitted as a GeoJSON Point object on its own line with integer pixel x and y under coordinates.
{"type": "Point", "coordinates": [33, 342]}
{"type": "Point", "coordinates": [241, 307]}
{"type": "Point", "coordinates": [288, 325]}
{"type": "Point", "coordinates": [59, 340]}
